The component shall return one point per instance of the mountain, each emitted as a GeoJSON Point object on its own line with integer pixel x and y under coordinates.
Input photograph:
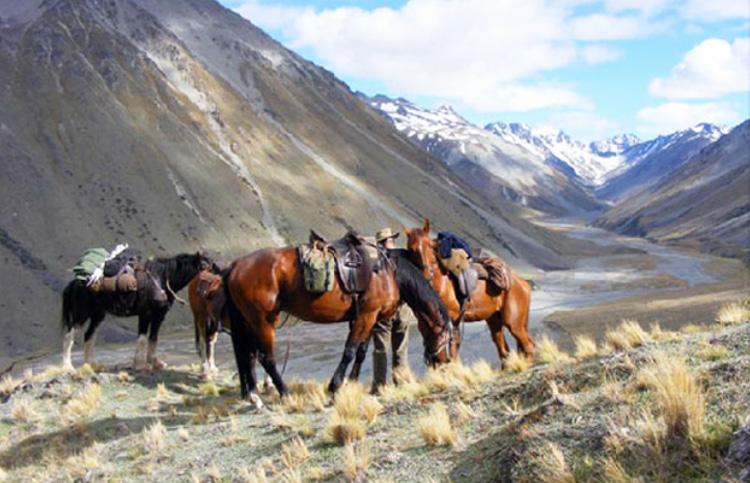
{"type": "Point", "coordinates": [704, 202]}
{"type": "Point", "coordinates": [590, 162]}
{"type": "Point", "coordinates": [647, 165]}
{"type": "Point", "coordinates": [176, 125]}
{"type": "Point", "coordinates": [504, 161]}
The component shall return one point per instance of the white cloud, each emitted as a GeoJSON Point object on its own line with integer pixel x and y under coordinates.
{"type": "Point", "coordinates": [709, 70]}
{"type": "Point", "coordinates": [647, 7]}
{"type": "Point", "coordinates": [674, 116]}
{"type": "Point", "coordinates": [598, 53]}
{"type": "Point", "coordinates": [481, 53]}
{"type": "Point", "coordinates": [715, 10]}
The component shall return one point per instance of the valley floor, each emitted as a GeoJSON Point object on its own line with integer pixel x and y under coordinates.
{"type": "Point", "coordinates": [601, 417]}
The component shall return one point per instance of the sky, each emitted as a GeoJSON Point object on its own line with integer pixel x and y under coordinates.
{"type": "Point", "coordinates": [591, 68]}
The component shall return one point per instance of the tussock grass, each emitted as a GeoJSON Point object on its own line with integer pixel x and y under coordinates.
{"type": "Point", "coordinates": [213, 473]}
{"type": "Point", "coordinates": [692, 329]}
{"type": "Point", "coordinates": [435, 427]}
{"type": "Point", "coordinates": [585, 347]}
{"type": "Point", "coordinates": [253, 475]}
{"type": "Point", "coordinates": [712, 352]}
{"type": "Point", "coordinates": [516, 362]}
{"type": "Point", "coordinates": [304, 396]}
{"type": "Point", "coordinates": [679, 396]}
{"type": "Point", "coordinates": [209, 389]}
{"type": "Point", "coordinates": [547, 352]}
{"type": "Point", "coordinates": [162, 394]}
{"type": "Point", "coordinates": [21, 411]}
{"type": "Point", "coordinates": [657, 333]}
{"type": "Point", "coordinates": [77, 467]}
{"type": "Point", "coordinates": [353, 411]}
{"type": "Point", "coordinates": [183, 434]}
{"type": "Point", "coordinates": [83, 372]}
{"type": "Point", "coordinates": [464, 412]}
{"type": "Point", "coordinates": [734, 313]}
{"type": "Point", "coordinates": [290, 475]}
{"type": "Point", "coordinates": [551, 466]}
{"type": "Point", "coordinates": [294, 453]}
{"type": "Point", "coordinates": [82, 405]}
{"type": "Point", "coordinates": [613, 472]}
{"type": "Point", "coordinates": [298, 423]}
{"type": "Point", "coordinates": [9, 384]}
{"type": "Point", "coordinates": [406, 391]}
{"type": "Point", "coordinates": [615, 340]}
{"type": "Point", "coordinates": [153, 437]}
{"type": "Point", "coordinates": [628, 334]}
{"type": "Point", "coordinates": [458, 375]}
{"type": "Point", "coordinates": [356, 460]}
{"type": "Point", "coordinates": [317, 473]}
{"type": "Point", "coordinates": [124, 377]}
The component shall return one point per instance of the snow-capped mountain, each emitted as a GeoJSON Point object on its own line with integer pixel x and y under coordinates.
{"type": "Point", "coordinates": [591, 162]}
{"type": "Point", "coordinates": [512, 163]}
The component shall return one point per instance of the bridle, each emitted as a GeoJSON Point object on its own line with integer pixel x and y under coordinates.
{"type": "Point", "coordinates": [431, 357]}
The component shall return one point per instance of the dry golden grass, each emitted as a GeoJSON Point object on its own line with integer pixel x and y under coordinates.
{"type": "Point", "coordinates": [213, 473]}
{"type": "Point", "coordinates": [692, 329]}
{"type": "Point", "coordinates": [83, 372]}
{"type": "Point", "coordinates": [613, 472]}
{"type": "Point", "coordinates": [82, 405]}
{"type": "Point", "coordinates": [547, 352]}
{"type": "Point", "coordinates": [208, 388]}
{"type": "Point", "coordinates": [21, 411]}
{"type": "Point", "coordinates": [345, 430]}
{"type": "Point", "coordinates": [124, 377]}
{"type": "Point", "coordinates": [290, 475]}
{"type": "Point", "coordinates": [585, 347]}
{"type": "Point", "coordinates": [435, 427]}
{"type": "Point", "coordinates": [734, 313]}
{"type": "Point", "coordinates": [161, 392]}
{"type": "Point", "coordinates": [463, 412]}
{"type": "Point", "coordinates": [458, 375]}
{"type": "Point", "coordinates": [712, 352]}
{"type": "Point", "coordinates": [678, 393]}
{"type": "Point", "coordinates": [353, 411]}
{"type": "Point", "coordinates": [634, 332]}
{"type": "Point", "coordinates": [77, 467]}
{"type": "Point", "coordinates": [317, 473]}
{"type": "Point", "coordinates": [183, 434]}
{"type": "Point", "coordinates": [657, 333]}
{"type": "Point", "coordinates": [298, 423]}
{"type": "Point", "coordinates": [516, 362]}
{"type": "Point", "coordinates": [551, 465]}
{"type": "Point", "coordinates": [403, 375]}
{"type": "Point", "coordinates": [406, 391]}
{"type": "Point", "coordinates": [356, 460]}
{"type": "Point", "coordinates": [153, 437]}
{"type": "Point", "coordinates": [8, 385]}
{"type": "Point", "coordinates": [48, 373]}
{"type": "Point", "coordinates": [294, 453]}
{"type": "Point", "coordinates": [253, 475]}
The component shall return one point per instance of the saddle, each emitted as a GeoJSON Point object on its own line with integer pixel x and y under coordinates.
{"type": "Point", "coordinates": [354, 262]}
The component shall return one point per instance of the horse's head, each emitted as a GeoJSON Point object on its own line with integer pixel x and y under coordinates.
{"type": "Point", "coordinates": [438, 337]}
{"type": "Point", "coordinates": [421, 247]}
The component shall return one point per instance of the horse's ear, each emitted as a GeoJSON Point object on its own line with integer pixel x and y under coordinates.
{"type": "Point", "coordinates": [426, 227]}
{"type": "Point", "coordinates": [406, 231]}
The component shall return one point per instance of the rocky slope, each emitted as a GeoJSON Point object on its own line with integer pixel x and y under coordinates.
{"type": "Point", "coordinates": [705, 202]}
{"type": "Point", "coordinates": [174, 125]}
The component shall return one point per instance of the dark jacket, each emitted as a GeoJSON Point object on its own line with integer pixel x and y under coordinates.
{"type": "Point", "coordinates": [448, 241]}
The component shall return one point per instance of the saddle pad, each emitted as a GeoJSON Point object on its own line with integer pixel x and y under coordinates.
{"type": "Point", "coordinates": [498, 273]}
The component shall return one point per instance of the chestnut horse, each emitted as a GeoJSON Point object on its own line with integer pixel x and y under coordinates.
{"type": "Point", "coordinates": [270, 280]}
{"type": "Point", "coordinates": [207, 298]}
{"type": "Point", "coordinates": [500, 308]}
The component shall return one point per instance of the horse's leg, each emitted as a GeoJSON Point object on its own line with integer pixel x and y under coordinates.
{"type": "Point", "coordinates": [153, 339]}
{"type": "Point", "coordinates": [515, 317]}
{"type": "Point", "coordinates": [358, 360]}
{"type": "Point", "coordinates": [495, 324]}
{"type": "Point", "coordinates": [210, 349]}
{"type": "Point", "coordinates": [89, 338]}
{"type": "Point", "coordinates": [266, 338]}
{"type": "Point", "coordinates": [201, 327]}
{"type": "Point", "coordinates": [69, 339]}
{"type": "Point", "coordinates": [140, 361]}
{"type": "Point", "coordinates": [359, 334]}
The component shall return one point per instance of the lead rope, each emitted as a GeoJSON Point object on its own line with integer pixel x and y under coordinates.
{"type": "Point", "coordinates": [176, 297]}
{"type": "Point", "coordinates": [288, 342]}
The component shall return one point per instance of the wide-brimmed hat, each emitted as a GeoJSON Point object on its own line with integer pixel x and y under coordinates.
{"type": "Point", "coordinates": [384, 234]}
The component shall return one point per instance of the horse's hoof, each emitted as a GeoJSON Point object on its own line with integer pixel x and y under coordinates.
{"type": "Point", "coordinates": [68, 367]}
{"type": "Point", "coordinates": [158, 364]}
{"type": "Point", "coordinates": [256, 401]}
{"type": "Point", "coordinates": [141, 366]}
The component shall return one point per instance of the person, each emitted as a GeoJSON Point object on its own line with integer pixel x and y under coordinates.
{"type": "Point", "coordinates": [393, 332]}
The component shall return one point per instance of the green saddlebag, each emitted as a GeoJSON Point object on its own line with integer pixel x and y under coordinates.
{"type": "Point", "coordinates": [92, 259]}
{"type": "Point", "coordinates": [318, 269]}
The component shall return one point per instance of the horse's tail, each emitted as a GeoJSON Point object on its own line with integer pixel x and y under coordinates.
{"type": "Point", "coordinates": [197, 338]}
{"type": "Point", "coordinates": [67, 306]}
{"type": "Point", "coordinates": [229, 309]}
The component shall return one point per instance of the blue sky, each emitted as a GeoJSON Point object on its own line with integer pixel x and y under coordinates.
{"type": "Point", "coordinates": [591, 68]}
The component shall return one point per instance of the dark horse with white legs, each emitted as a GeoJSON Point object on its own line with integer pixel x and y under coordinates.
{"type": "Point", "coordinates": [269, 281]}
{"type": "Point", "coordinates": [81, 304]}
{"type": "Point", "coordinates": [500, 308]}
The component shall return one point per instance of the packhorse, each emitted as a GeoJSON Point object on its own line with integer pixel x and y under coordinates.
{"type": "Point", "coordinates": [499, 307]}
{"type": "Point", "coordinates": [80, 304]}
{"type": "Point", "coordinates": [207, 298]}
{"type": "Point", "coordinates": [261, 285]}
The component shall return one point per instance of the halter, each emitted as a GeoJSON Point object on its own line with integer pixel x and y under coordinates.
{"type": "Point", "coordinates": [446, 346]}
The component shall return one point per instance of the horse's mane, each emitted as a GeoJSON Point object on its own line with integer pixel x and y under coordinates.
{"type": "Point", "coordinates": [177, 268]}
{"type": "Point", "coordinates": [415, 289]}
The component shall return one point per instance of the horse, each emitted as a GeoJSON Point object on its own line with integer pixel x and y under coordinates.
{"type": "Point", "coordinates": [80, 304]}
{"type": "Point", "coordinates": [499, 308]}
{"type": "Point", "coordinates": [261, 285]}
{"type": "Point", "coordinates": [207, 296]}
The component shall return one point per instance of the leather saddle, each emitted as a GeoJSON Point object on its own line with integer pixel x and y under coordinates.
{"type": "Point", "coordinates": [210, 289]}
{"type": "Point", "coordinates": [354, 264]}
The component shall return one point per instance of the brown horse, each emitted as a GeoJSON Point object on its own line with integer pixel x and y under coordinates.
{"type": "Point", "coordinates": [207, 297]}
{"type": "Point", "coordinates": [270, 280]}
{"type": "Point", "coordinates": [500, 308]}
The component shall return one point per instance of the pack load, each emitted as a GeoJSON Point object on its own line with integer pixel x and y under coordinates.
{"type": "Point", "coordinates": [495, 271]}
{"type": "Point", "coordinates": [105, 271]}
{"type": "Point", "coordinates": [454, 253]}
{"type": "Point", "coordinates": [318, 268]}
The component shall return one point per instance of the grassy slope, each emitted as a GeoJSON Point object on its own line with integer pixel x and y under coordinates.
{"type": "Point", "coordinates": [504, 422]}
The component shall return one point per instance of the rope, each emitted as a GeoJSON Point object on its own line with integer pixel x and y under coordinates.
{"type": "Point", "coordinates": [288, 342]}
{"type": "Point", "coordinates": [176, 297]}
